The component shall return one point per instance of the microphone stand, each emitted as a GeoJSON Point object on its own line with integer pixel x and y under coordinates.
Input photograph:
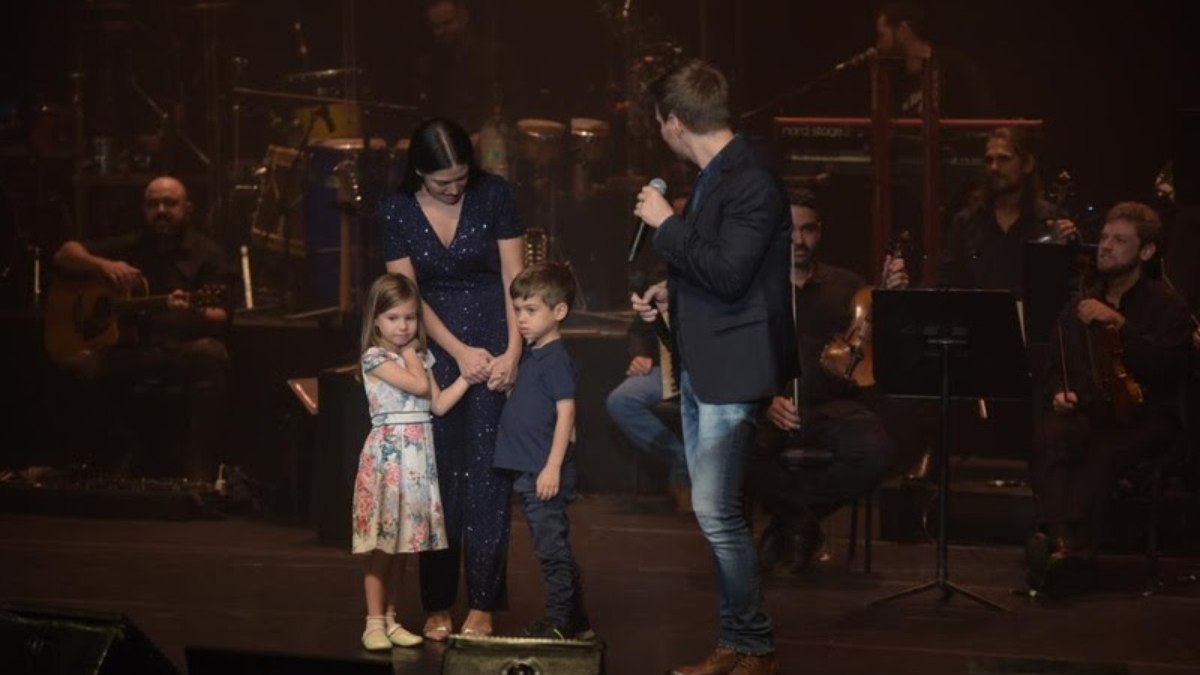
{"type": "Point", "coordinates": [169, 127]}
{"type": "Point", "coordinates": [798, 91]}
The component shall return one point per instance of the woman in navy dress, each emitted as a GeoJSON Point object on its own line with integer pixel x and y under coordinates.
{"type": "Point", "coordinates": [454, 229]}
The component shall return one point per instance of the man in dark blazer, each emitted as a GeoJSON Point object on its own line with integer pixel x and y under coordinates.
{"type": "Point", "coordinates": [728, 291]}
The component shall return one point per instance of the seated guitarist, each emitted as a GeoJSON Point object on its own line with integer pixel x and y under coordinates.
{"type": "Point", "coordinates": [833, 414]}
{"type": "Point", "coordinates": [181, 344]}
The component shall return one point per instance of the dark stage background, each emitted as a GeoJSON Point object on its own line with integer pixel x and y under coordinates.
{"type": "Point", "coordinates": [1105, 79]}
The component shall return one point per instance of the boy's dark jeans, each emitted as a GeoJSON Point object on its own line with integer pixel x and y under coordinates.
{"type": "Point", "coordinates": [550, 529]}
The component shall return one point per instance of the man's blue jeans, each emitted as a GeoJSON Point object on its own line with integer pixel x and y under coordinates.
{"type": "Point", "coordinates": [717, 441]}
{"type": "Point", "coordinates": [629, 405]}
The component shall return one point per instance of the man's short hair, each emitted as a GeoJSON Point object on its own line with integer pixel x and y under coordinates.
{"type": "Point", "coordinates": [799, 195]}
{"type": "Point", "coordinates": [901, 12]}
{"type": "Point", "coordinates": [551, 281]}
{"type": "Point", "coordinates": [696, 93]}
{"type": "Point", "coordinates": [1145, 220]}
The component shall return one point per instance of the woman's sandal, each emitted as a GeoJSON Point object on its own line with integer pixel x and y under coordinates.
{"type": "Point", "coordinates": [471, 632]}
{"type": "Point", "coordinates": [436, 632]}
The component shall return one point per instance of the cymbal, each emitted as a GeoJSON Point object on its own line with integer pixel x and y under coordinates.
{"type": "Point", "coordinates": [321, 74]}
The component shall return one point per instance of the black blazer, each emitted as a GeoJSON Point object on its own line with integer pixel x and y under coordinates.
{"type": "Point", "coordinates": [729, 259]}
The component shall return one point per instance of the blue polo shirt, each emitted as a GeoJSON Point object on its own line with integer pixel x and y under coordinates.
{"type": "Point", "coordinates": [545, 377]}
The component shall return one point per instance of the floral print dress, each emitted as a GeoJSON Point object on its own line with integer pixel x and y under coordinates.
{"type": "Point", "coordinates": [397, 505]}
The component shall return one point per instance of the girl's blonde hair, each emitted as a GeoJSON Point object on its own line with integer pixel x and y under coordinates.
{"type": "Point", "coordinates": [386, 292]}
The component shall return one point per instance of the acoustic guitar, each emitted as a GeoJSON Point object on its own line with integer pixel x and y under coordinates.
{"type": "Point", "coordinates": [90, 313]}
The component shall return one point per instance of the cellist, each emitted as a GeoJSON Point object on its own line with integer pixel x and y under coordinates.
{"type": "Point", "coordinates": [1122, 347]}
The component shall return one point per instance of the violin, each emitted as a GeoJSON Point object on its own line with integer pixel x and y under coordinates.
{"type": "Point", "coordinates": [1124, 392]}
{"type": "Point", "coordinates": [1116, 385]}
{"type": "Point", "coordinates": [850, 355]}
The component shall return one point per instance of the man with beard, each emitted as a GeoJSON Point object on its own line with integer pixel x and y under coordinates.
{"type": "Point", "coordinates": [986, 245]}
{"type": "Point", "coordinates": [901, 33]}
{"type": "Point", "coordinates": [1084, 441]}
{"type": "Point", "coordinates": [179, 342]}
{"type": "Point", "coordinates": [986, 242]}
{"type": "Point", "coordinates": [834, 414]}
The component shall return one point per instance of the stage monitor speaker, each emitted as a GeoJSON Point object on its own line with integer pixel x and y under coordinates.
{"type": "Point", "coordinates": [343, 421]}
{"type": "Point", "coordinates": [522, 656]}
{"type": "Point", "coordinates": [56, 641]}
{"type": "Point", "coordinates": [212, 661]}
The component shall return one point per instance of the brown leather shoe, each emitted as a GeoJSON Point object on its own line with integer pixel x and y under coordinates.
{"type": "Point", "coordinates": [754, 665]}
{"type": "Point", "coordinates": [720, 662]}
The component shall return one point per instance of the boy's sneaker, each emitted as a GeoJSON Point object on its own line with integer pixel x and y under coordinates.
{"type": "Point", "coordinates": [548, 630]}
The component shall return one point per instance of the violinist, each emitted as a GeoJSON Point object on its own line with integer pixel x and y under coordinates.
{"type": "Point", "coordinates": [833, 414]}
{"type": "Point", "coordinates": [986, 240]}
{"type": "Point", "coordinates": [1121, 356]}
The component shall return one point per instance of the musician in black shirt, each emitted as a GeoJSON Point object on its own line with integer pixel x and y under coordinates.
{"type": "Point", "coordinates": [986, 244]}
{"type": "Point", "coordinates": [179, 343]}
{"type": "Point", "coordinates": [1094, 428]}
{"type": "Point", "coordinates": [834, 415]}
{"type": "Point", "coordinates": [901, 32]}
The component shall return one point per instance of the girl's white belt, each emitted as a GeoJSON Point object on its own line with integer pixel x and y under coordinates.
{"type": "Point", "coordinates": [407, 417]}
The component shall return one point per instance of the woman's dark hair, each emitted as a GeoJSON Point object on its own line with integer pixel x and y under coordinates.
{"type": "Point", "coordinates": [438, 144]}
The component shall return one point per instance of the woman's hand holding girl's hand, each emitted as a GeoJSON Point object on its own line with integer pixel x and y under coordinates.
{"type": "Point", "coordinates": [475, 364]}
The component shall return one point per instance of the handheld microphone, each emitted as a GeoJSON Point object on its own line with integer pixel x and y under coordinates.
{"type": "Point", "coordinates": [857, 59]}
{"type": "Point", "coordinates": [660, 186]}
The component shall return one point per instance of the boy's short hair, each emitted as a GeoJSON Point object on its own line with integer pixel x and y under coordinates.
{"type": "Point", "coordinates": [550, 280]}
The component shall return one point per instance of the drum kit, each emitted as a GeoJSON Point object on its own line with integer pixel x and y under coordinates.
{"type": "Point", "coordinates": [325, 174]}
{"type": "Point", "coordinates": [331, 166]}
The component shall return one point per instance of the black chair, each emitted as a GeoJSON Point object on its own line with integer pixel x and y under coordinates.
{"type": "Point", "coordinates": [794, 459]}
{"type": "Point", "coordinates": [811, 459]}
{"type": "Point", "coordinates": [1177, 461]}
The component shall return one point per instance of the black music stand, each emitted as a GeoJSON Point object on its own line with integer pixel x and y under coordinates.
{"type": "Point", "coordinates": [1050, 276]}
{"type": "Point", "coordinates": [947, 344]}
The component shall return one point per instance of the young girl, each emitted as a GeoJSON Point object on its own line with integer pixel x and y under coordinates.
{"type": "Point", "coordinates": [397, 506]}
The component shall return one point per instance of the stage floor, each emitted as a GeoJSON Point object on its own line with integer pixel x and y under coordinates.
{"type": "Point", "coordinates": [245, 584]}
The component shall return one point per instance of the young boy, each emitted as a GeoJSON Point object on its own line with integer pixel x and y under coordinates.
{"type": "Point", "coordinates": [534, 440]}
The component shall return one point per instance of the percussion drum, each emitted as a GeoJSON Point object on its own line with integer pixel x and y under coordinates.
{"type": "Point", "coordinates": [589, 139]}
{"type": "Point", "coordinates": [277, 224]}
{"type": "Point", "coordinates": [340, 179]}
{"type": "Point", "coordinates": [328, 120]}
{"type": "Point", "coordinates": [341, 119]}
{"type": "Point", "coordinates": [541, 141]}
{"type": "Point", "coordinates": [589, 147]}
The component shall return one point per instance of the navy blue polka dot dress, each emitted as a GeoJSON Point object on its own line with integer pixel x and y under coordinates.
{"type": "Point", "coordinates": [462, 284]}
